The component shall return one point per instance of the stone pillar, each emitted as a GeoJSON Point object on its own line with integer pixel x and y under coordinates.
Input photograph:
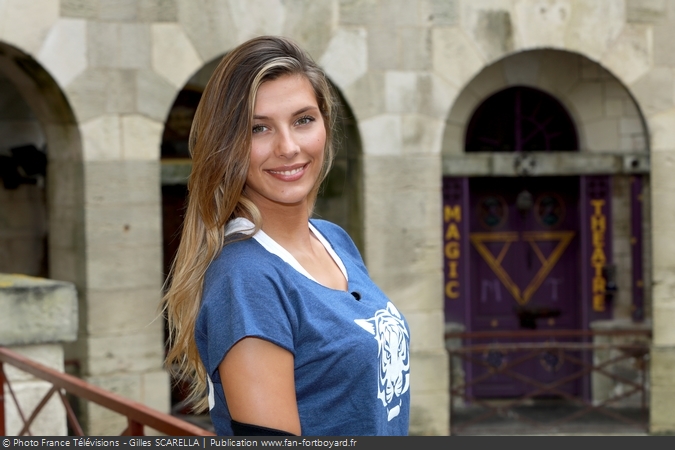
{"type": "Point", "coordinates": [36, 316]}
{"type": "Point", "coordinates": [634, 368]}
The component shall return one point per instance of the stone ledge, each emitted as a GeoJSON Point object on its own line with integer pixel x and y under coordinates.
{"type": "Point", "coordinates": [36, 310]}
{"type": "Point", "coordinates": [544, 163]}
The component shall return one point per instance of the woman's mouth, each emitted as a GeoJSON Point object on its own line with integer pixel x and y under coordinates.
{"type": "Point", "coordinates": [288, 174]}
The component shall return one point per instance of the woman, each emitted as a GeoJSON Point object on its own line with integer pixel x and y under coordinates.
{"type": "Point", "coordinates": [272, 314]}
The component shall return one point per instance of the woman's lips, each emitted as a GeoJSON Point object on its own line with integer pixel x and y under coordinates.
{"type": "Point", "coordinates": [288, 173]}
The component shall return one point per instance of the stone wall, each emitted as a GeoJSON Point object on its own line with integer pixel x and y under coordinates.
{"type": "Point", "coordinates": [36, 317]}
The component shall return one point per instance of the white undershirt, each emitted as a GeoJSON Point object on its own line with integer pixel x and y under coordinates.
{"type": "Point", "coordinates": [245, 226]}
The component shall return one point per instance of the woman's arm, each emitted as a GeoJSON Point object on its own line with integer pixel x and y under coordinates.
{"type": "Point", "coordinates": [259, 384]}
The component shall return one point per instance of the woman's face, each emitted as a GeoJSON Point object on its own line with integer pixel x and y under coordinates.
{"type": "Point", "coordinates": [288, 140]}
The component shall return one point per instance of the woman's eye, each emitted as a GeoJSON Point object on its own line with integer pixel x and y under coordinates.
{"type": "Point", "coordinates": [305, 120]}
{"type": "Point", "coordinates": [258, 128]}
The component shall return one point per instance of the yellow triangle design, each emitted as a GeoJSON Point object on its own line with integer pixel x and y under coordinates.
{"type": "Point", "coordinates": [480, 239]}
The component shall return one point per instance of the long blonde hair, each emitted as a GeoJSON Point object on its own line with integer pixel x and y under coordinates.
{"type": "Point", "coordinates": [220, 145]}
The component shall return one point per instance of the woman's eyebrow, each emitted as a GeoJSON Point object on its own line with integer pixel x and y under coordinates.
{"type": "Point", "coordinates": [300, 111]}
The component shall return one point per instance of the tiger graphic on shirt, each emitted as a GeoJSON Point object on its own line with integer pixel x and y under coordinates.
{"type": "Point", "coordinates": [393, 341]}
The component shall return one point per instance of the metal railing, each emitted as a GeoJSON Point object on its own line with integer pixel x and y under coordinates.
{"type": "Point", "coordinates": [138, 415]}
{"type": "Point", "coordinates": [489, 360]}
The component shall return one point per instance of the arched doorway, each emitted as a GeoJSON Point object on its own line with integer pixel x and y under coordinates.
{"type": "Point", "coordinates": [545, 173]}
{"type": "Point", "coordinates": [40, 161]}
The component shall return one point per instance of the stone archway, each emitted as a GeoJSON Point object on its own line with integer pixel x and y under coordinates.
{"type": "Point", "coordinates": [50, 122]}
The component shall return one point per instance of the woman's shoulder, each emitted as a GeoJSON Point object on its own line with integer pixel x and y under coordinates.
{"type": "Point", "coordinates": [336, 236]}
{"type": "Point", "coordinates": [330, 230]}
{"type": "Point", "coordinates": [241, 256]}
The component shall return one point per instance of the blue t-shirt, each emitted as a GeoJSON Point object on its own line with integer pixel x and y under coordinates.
{"type": "Point", "coordinates": [351, 349]}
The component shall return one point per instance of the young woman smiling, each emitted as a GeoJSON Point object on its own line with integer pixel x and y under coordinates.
{"type": "Point", "coordinates": [273, 316]}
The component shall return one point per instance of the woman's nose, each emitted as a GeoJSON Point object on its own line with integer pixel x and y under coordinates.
{"type": "Point", "coordinates": [287, 146]}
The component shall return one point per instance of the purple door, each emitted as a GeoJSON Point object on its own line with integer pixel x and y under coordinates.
{"type": "Point", "coordinates": [524, 265]}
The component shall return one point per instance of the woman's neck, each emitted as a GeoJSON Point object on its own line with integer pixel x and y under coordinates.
{"type": "Point", "coordinates": [287, 225]}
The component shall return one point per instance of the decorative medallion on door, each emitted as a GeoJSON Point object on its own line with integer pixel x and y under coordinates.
{"type": "Point", "coordinates": [480, 241]}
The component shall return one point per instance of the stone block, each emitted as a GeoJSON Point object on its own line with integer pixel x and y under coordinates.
{"type": "Point", "coordinates": [453, 143]}
{"type": "Point", "coordinates": [430, 414]}
{"type": "Point", "coordinates": [111, 267]}
{"type": "Point", "coordinates": [154, 95]}
{"type": "Point", "coordinates": [586, 101]}
{"type": "Point", "coordinates": [415, 48]}
{"type": "Point", "coordinates": [541, 23]}
{"type": "Point", "coordinates": [401, 93]}
{"type": "Point", "coordinates": [100, 421]}
{"type": "Point", "coordinates": [27, 24]}
{"type": "Point", "coordinates": [593, 26]}
{"type": "Point", "coordinates": [129, 353]}
{"type": "Point", "coordinates": [50, 355]}
{"type": "Point", "coordinates": [435, 95]}
{"type": "Point", "coordinates": [266, 18]}
{"type": "Point", "coordinates": [646, 11]}
{"type": "Point", "coordinates": [108, 311]}
{"type": "Point", "coordinates": [522, 69]}
{"type": "Point", "coordinates": [210, 27]}
{"type": "Point", "coordinates": [651, 91]}
{"type": "Point", "coordinates": [662, 165]}
{"type": "Point", "coordinates": [66, 264]}
{"type": "Point", "coordinates": [663, 288]}
{"type": "Point", "coordinates": [157, 10]}
{"type": "Point", "coordinates": [63, 145]}
{"type": "Point", "coordinates": [84, 9]}
{"type": "Point", "coordinates": [122, 182]}
{"type": "Point", "coordinates": [421, 134]}
{"type": "Point", "coordinates": [441, 13]}
{"type": "Point", "coordinates": [630, 56]}
{"type": "Point", "coordinates": [129, 225]}
{"type": "Point", "coordinates": [427, 329]}
{"type": "Point", "coordinates": [383, 48]}
{"type": "Point", "coordinates": [475, 165]}
{"type": "Point", "coordinates": [491, 27]}
{"type": "Point", "coordinates": [454, 56]}
{"type": "Point", "coordinates": [99, 91]}
{"type": "Point", "coordinates": [64, 51]}
{"type": "Point", "coordinates": [630, 125]}
{"type": "Point", "coordinates": [381, 135]}
{"type": "Point", "coordinates": [463, 107]}
{"type": "Point", "coordinates": [118, 45]}
{"type": "Point", "coordinates": [602, 135]}
{"type": "Point", "coordinates": [156, 390]}
{"type": "Point", "coordinates": [173, 54]}
{"type": "Point", "coordinates": [488, 81]}
{"type": "Point", "coordinates": [346, 57]}
{"type": "Point", "coordinates": [366, 95]}
{"type": "Point", "coordinates": [64, 184]}
{"type": "Point", "coordinates": [664, 46]}
{"type": "Point", "coordinates": [51, 421]}
{"type": "Point", "coordinates": [614, 107]}
{"type": "Point", "coordinates": [312, 35]}
{"type": "Point", "coordinates": [357, 12]}
{"type": "Point", "coordinates": [66, 227]}
{"type": "Point", "coordinates": [664, 315]}
{"type": "Point", "coordinates": [117, 10]}
{"type": "Point", "coordinates": [141, 138]}
{"type": "Point", "coordinates": [662, 389]}
{"type": "Point", "coordinates": [36, 310]}
{"type": "Point", "coordinates": [662, 134]}
{"type": "Point", "coordinates": [429, 372]}
{"type": "Point", "coordinates": [101, 140]}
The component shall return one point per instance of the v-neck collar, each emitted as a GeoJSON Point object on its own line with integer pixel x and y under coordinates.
{"type": "Point", "coordinates": [245, 226]}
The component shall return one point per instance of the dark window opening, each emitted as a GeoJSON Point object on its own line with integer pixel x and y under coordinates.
{"type": "Point", "coordinates": [521, 119]}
